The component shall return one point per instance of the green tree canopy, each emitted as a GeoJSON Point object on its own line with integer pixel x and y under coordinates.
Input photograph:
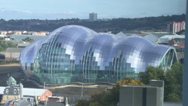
{"type": "Point", "coordinates": [152, 73]}
{"type": "Point", "coordinates": [172, 77]}
{"type": "Point", "coordinates": [5, 44]}
{"type": "Point", "coordinates": [173, 82]}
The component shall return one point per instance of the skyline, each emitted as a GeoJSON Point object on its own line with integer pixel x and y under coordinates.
{"type": "Point", "coordinates": [58, 9]}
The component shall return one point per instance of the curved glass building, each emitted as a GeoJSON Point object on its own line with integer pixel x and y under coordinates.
{"type": "Point", "coordinates": [78, 54]}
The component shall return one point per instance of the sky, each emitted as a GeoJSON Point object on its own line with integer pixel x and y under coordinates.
{"type": "Point", "coordinates": [57, 9]}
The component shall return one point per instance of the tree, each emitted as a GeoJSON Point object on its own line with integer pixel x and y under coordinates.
{"type": "Point", "coordinates": [82, 103]}
{"type": "Point", "coordinates": [5, 44]}
{"type": "Point", "coordinates": [172, 78]}
{"type": "Point", "coordinates": [173, 83]}
{"type": "Point", "coordinates": [95, 104]}
{"type": "Point", "coordinates": [152, 73]}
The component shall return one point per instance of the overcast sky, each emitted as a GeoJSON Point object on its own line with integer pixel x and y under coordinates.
{"type": "Point", "coordinates": [56, 9]}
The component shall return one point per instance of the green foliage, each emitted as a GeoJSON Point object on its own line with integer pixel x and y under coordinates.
{"type": "Point", "coordinates": [172, 77]}
{"type": "Point", "coordinates": [82, 103]}
{"type": "Point", "coordinates": [95, 104]}
{"type": "Point", "coordinates": [174, 81]}
{"type": "Point", "coordinates": [130, 82]}
{"type": "Point", "coordinates": [1, 48]}
{"type": "Point", "coordinates": [152, 73]}
{"type": "Point", "coordinates": [173, 97]}
{"type": "Point", "coordinates": [5, 44]}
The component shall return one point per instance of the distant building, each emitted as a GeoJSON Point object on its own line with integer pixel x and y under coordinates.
{"type": "Point", "coordinates": [12, 54]}
{"type": "Point", "coordinates": [40, 33]}
{"type": "Point", "coordinates": [16, 92]}
{"type": "Point", "coordinates": [17, 32]}
{"type": "Point", "coordinates": [95, 57]}
{"type": "Point", "coordinates": [93, 16]}
{"type": "Point", "coordinates": [7, 33]}
{"type": "Point", "coordinates": [177, 41]}
{"type": "Point", "coordinates": [4, 32]}
{"type": "Point", "coordinates": [152, 95]}
{"type": "Point", "coordinates": [10, 32]}
{"type": "Point", "coordinates": [176, 27]}
{"type": "Point", "coordinates": [2, 36]}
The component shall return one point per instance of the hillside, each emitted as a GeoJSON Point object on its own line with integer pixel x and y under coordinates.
{"type": "Point", "coordinates": [114, 25]}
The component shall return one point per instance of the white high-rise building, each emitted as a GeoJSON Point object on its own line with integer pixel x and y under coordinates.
{"type": "Point", "coordinates": [93, 16]}
{"type": "Point", "coordinates": [175, 27]}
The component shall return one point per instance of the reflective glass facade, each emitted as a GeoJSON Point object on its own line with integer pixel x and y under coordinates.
{"type": "Point", "coordinates": [78, 54]}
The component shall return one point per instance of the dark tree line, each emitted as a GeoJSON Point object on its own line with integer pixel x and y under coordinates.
{"type": "Point", "coordinates": [114, 25]}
